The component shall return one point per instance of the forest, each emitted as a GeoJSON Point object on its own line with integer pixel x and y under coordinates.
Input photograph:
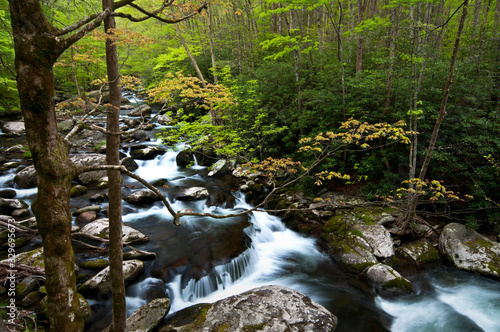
{"type": "Point", "coordinates": [291, 70]}
{"type": "Point", "coordinates": [257, 81]}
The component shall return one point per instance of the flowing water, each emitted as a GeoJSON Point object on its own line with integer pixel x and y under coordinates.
{"type": "Point", "coordinates": [205, 260]}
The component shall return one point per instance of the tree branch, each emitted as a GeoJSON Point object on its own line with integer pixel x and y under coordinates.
{"type": "Point", "coordinates": [154, 14]}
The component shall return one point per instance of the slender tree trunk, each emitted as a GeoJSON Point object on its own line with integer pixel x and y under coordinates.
{"type": "Point", "coordinates": [413, 199]}
{"type": "Point", "coordinates": [114, 178]}
{"type": "Point", "coordinates": [36, 51]}
{"type": "Point", "coordinates": [359, 48]}
{"type": "Point", "coordinates": [212, 47]}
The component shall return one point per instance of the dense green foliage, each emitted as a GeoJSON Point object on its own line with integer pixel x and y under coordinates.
{"type": "Point", "coordinates": [297, 68]}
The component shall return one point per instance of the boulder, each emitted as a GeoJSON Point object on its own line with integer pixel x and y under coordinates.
{"type": "Point", "coordinates": [95, 208]}
{"type": "Point", "coordinates": [220, 167]}
{"type": "Point", "coordinates": [100, 228]}
{"type": "Point", "coordinates": [142, 110]}
{"type": "Point", "coordinates": [268, 308]}
{"type": "Point", "coordinates": [8, 193]}
{"type": "Point", "coordinates": [32, 258]}
{"type": "Point", "coordinates": [142, 197]}
{"type": "Point", "coordinates": [192, 194]}
{"type": "Point", "coordinates": [184, 159]}
{"type": "Point", "coordinates": [164, 119]}
{"type": "Point", "coordinates": [100, 284]}
{"type": "Point", "coordinates": [94, 264]}
{"type": "Point", "coordinates": [419, 252]}
{"type": "Point", "coordinates": [469, 250]}
{"type": "Point", "coordinates": [25, 287]}
{"type": "Point", "coordinates": [91, 159]}
{"type": "Point", "coordinates": [8, 205]}
{"type": "Point", "coordinates": [387, 281]}
{"type": "Point", "coordinates": [129, 163]}
{"type": "Point", "coordinates": [77, 190]}
{"type": "Point", "coordinates": [86, 217]}
{"type": "Point", "coordinates": [352, 251]}
{"type": "Point", "coordinates": [13, 127]}
{"type": "Point", "coordinates": [147, 317]}
{"type": "Point", "coordinates": [146, 152]}
{"type": "Point", "coordinates": [26, 178]}
{"type": "Point", "coordinates": [66, 125]}
{"type": "Point", "coordinates": [378, 238]}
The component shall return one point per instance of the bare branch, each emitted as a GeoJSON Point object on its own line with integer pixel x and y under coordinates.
{"type": "Point", "coordinates": [7, 67]}
{"type": "Point", "coordinates": [77, 25]}
{"type": "Point", "coordinates": [154, 14]}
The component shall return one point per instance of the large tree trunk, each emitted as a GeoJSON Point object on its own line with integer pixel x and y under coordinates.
{"type": "Point", "coordinates": [36, 51]}
{"type": "Point", "coordinates": [114, 179]}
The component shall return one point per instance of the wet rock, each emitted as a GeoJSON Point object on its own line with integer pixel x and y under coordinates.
{"type": "Point", "coordinates": [98, 198]}
{"type": "Point", "coordinates": [15, 149]}
{"type": "Point", "coordinates": [421, 230]}
{"type": "Point", "coordinates": [142, 110]}
{"type": "Point", "coordinates": [387, 281]}
{"type": "Point", "coordinates": [95, 208]}
{"type": "Point", "coordinates": [30, 299]}
{"type": "Point", "coordinates": [146, 152]}
{"type": "Point", "coordinates": [135, 254]}
{"type": "Point", "coordinates": [193, 193]}
{"type": "Point", "coordinates": [12, 164]}
{"type": "Point", "coordinates": [378, 238]}
{"type": "Point", "coordinates": [8, 205]}
{"type": "Point", "coordinates": [165, 120]}
{"type": "Point", "coordinates": [129, 163]}
{"type": "Point", "coordinates": [33, 258]}
{"type": "Point", "coordinates": [86, 217]}
{"type": "Point", "coordinates": [147, 317]}
{"type": "Point", "coordinates": [66, 125]}
{"type": "Point", "coordinates": [184, 158]}
{"type": "Point", "coordinates": [95, 264]}
{"type": "Point", "coordinates": [268, 308]}
{"type": "Point", "coordinates": [100, 284]}
{"type": "Point", "coordinates": [7, 193]}
{"type": "Point", "coordinates": [25, 287]}
{"type": "Point", "coordinates": [353, 252]}
{"type": "Point", "coordinates": [86, 160]}
{"type": "Point", "coordinates": [13, 127]}
{"type": "Point", "coordinates": [240, 172]}
{"type": "Point", "coordinates": [386, 219]}
{"type": "Point", "coordinates": [469, 250]}
{"type": "Point", "coordinates": [142, 197]}
{"type": "Point", "coordinates": [220, 167]}
{"type": "Point", "coordinates": [419, 252]}
{"type": "Point", "coordinates": [102, 183]}
{"type": "Point", "coordinates": [100, 228]}
{"type": "Point", "coordinates": [77, 190]}
{"type": "Point", "coordinates": [21, 213]}
{"type": "Point", "coordinates": [26, 178]}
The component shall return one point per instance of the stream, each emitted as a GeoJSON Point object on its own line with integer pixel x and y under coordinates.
{"type": "Point", "coordinates": [204, 260]}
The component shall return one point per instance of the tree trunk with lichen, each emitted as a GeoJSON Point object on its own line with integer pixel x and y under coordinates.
{"type": "Point", "coordinates": [36, 51]}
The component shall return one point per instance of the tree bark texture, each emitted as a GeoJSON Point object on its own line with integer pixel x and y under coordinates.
{"type": "Point", "coordinates": [114, 178]}
{"type": "Point", "coordinates": [36, 51]}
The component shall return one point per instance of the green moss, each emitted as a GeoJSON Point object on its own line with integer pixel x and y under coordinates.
{"type": "Point", "coordinates": [337, 225]}
{"type": "Point", "coordinates": [255, 327]}
{"type": "Point", "coordinates": [399, 283]}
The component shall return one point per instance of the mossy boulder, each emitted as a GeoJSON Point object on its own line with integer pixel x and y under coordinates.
{"type": "Point", "coordinates": [147, 317]}
{"type": "Point", "coordinates": [351, 251]}
{"type": "Point", "coordinates": [387, 281]}
{"type": "Point", "coordinates": [268, 308]}
{"type": "Point", "coordinates": [100, 228]}
{"type": "Point", "coordinates": [85, 311]}
{"type": "Point", "coordinates": [469, 250]}
{"type": "Point", "coordinates": [419, 252]}
{"type": "Point", "coordinates": [26, 286]}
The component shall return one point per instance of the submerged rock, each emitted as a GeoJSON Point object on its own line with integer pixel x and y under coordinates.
{"type": "Point", "coordinates": [469, 250]}
{"type": "Point", "coordinates": [268, 308]}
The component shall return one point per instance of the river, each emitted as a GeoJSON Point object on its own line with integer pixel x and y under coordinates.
{"type": "Point", "coordinates": [229, 256]}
